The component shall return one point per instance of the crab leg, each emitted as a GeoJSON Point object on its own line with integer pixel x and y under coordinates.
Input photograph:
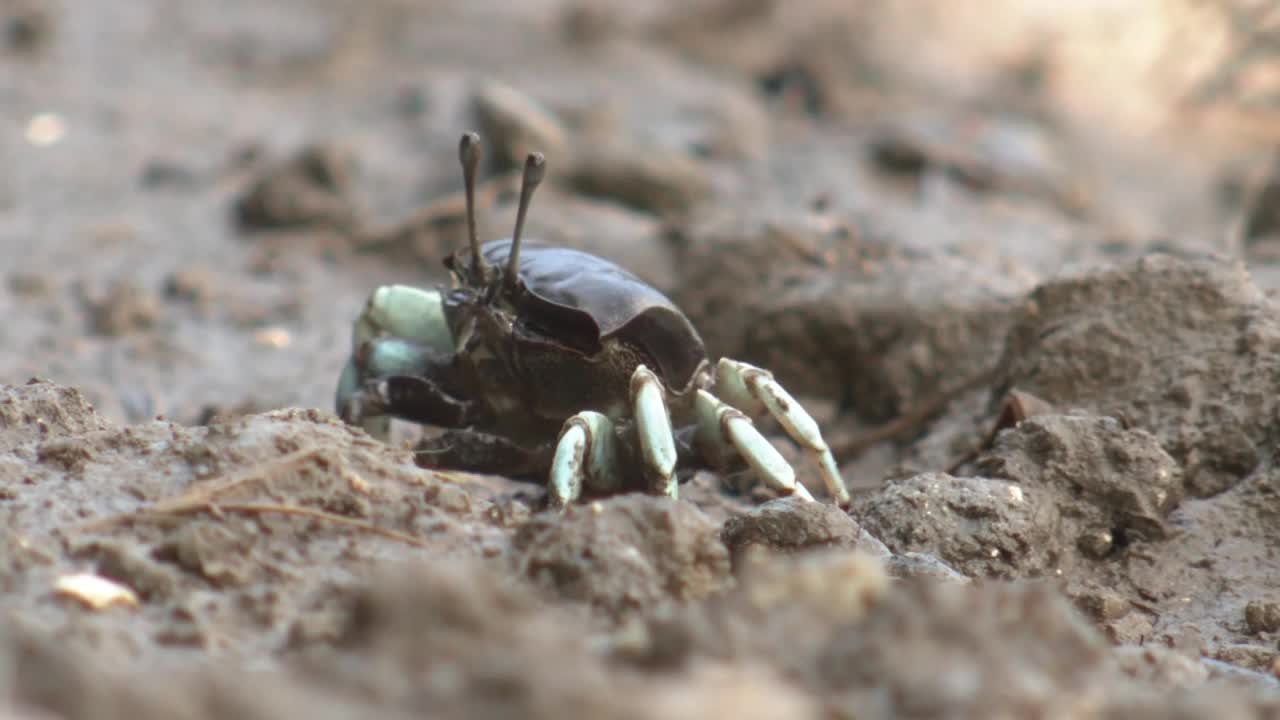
{"type": "Point", "coordinates": [723, 425]}
{"type": "Point", "coordinates": [584, 456]}
{"type": "Point", "coordinates": [747, 386]}
{"type": "Point", "coordinates": [653, 425]}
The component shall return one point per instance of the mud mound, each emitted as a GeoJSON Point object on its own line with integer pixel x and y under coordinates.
{"type": "Point", "coordinates": [624, 554]}
{"type": "Point", "coordinates": [1187, 349]}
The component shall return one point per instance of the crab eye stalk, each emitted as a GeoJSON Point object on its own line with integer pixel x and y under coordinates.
{"type": "Point", "coordinates": [469, 155]}
{"type": "Point", "coordinates": [534, 168]}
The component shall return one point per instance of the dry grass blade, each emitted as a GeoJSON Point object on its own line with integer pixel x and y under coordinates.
{"type": "Point", "coordinates": [269, 509]}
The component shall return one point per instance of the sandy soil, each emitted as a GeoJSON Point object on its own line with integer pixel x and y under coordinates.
{"type": "Point", "coordinates": [1025, 284]}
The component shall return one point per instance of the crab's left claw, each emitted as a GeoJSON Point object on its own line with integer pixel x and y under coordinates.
{"type": "Point", "coordinates": [753, 389]}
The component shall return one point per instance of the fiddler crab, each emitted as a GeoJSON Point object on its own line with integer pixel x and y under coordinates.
{"type": "Point", "coordinates": [550, 362]}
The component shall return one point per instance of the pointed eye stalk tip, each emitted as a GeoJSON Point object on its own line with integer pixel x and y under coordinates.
{"type": "Point", "coordinates": [469, 156]}
{"type": "Point", "coordinates": [469, 150]}
{"type": "Point", "coordinates": [535, 167]}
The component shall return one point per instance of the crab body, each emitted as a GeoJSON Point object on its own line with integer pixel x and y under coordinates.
{"type": "Point", "coordinates": [564, 366]}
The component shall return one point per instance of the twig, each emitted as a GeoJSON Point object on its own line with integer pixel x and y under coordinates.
{"type": "Point", "coordinates": [203, 494]}
{"type": "Point", "coordinates": [909, 421]}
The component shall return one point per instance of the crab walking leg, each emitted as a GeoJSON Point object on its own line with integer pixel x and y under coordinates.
{"type": "Point", "coordinates": [721, 423]}
{"type": "Point", "coordinates": [653, 425]}
{"type": "Point", "coordinates": [584, 457]}
{"type": "Point", "coordinates": [748, 386]}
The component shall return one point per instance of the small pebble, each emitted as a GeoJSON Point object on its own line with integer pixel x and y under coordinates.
{"type": "Point", "coordinates": [1262, 616]}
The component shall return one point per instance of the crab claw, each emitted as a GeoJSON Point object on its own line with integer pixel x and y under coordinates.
{"type": "Point", "coordinates": [747, 386]}
{"type": "Point", "coordinates": [584, 456]}
{"type": "Point", "coordinates": [723, 424]}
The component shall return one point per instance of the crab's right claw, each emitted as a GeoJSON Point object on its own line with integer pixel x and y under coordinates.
{"type": "Point", "coordinates": [584, 455]}
{"type": "Point", "coordinates": [727, 427]}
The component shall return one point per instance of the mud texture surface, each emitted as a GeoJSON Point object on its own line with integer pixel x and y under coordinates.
{"type": "Point", "coordinates": [1029, 293]}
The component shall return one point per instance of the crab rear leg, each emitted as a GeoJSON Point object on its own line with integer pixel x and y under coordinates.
{"type": "Point", "coordinates": [753, 389]}
{"type": "Point", "coordinates": [723, 425]}
{"type": "Point", "coordinates": [585, 455]}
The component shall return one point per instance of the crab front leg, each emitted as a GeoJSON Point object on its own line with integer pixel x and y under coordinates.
{"type": "Point", "coordinates": [754, 390]}
{"type": "Point", "coordinates": [586, 452]}
{"type": "Point", "coordinates": [400, 347]}
{"type": "Point", "coordinates": [585, 456]}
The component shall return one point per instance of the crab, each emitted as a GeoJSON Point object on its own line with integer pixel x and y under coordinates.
{"type": "Point", "coordinates": [547, 362]}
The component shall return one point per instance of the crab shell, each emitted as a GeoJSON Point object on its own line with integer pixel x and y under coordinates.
{"type": "Point", "coordinates": [581, 300]}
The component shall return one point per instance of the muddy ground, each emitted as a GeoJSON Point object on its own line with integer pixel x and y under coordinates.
{"type": "Point", "coordinates": [1022, 271]}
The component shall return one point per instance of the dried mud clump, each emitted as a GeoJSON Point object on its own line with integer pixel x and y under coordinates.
{"type": "Point", "coordinates": [625, 553]}
{"type": "Point", "coordinates": [313, 187]}
{"type": "Point", "coordinates": [831, 622]}
{"type": "Point", "coordinates": [792, 525]}
{"type": "Point", "coordinates": [982, 527]}
{"type": "Point", "coordinates": [1111, 484]}
{"type": "Point", "coordinates": [1187, 350]}
{"type": "Point", "coordinates": [454, 640]}
{"type": "Point", "coordinates": [1052, 489]}
{"type": "Point", "coordinates": [41, 410]}
{"type": "Point", "coordinates": [1047, 654]}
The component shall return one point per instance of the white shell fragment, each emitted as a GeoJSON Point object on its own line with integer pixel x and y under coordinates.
{"type": "Point", "coordinates": [95, 592]}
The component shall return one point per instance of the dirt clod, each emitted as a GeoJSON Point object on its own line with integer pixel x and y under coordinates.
{"type": "Point", "coordinates": [1262, 617]}
{"type": "Point", "coordinates": [982, 527]}
{"type": "Point", "coordinates": [124, 308]}
{"type": "Point", "coordinates": [312, 187]}
{"type": "Point", "coordinates": [1110, 481]}
{"type": "Point", "coordinates": [793, 525]}
{"type": "Point", "coordinates": [624, 554]}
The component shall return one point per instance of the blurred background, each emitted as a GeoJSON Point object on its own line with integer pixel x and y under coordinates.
{"type": "Point", "coordinates": [197, 197]}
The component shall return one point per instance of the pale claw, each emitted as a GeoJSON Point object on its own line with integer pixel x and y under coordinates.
{"type": "Point", "coordinates": [722, 423]}
{"type": "Point", "coordinates": [653, 425]}
{"type": "Point", "coordinates": [395, 322]}
{"type": "Point", "coordinates": [405, 312]}
{"type": "Point", "coordinates": [749, 386]}
{"type": "Point", "coordinates": [349, 404]}
{"type": "Point", "coordinates": [584, 456]}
